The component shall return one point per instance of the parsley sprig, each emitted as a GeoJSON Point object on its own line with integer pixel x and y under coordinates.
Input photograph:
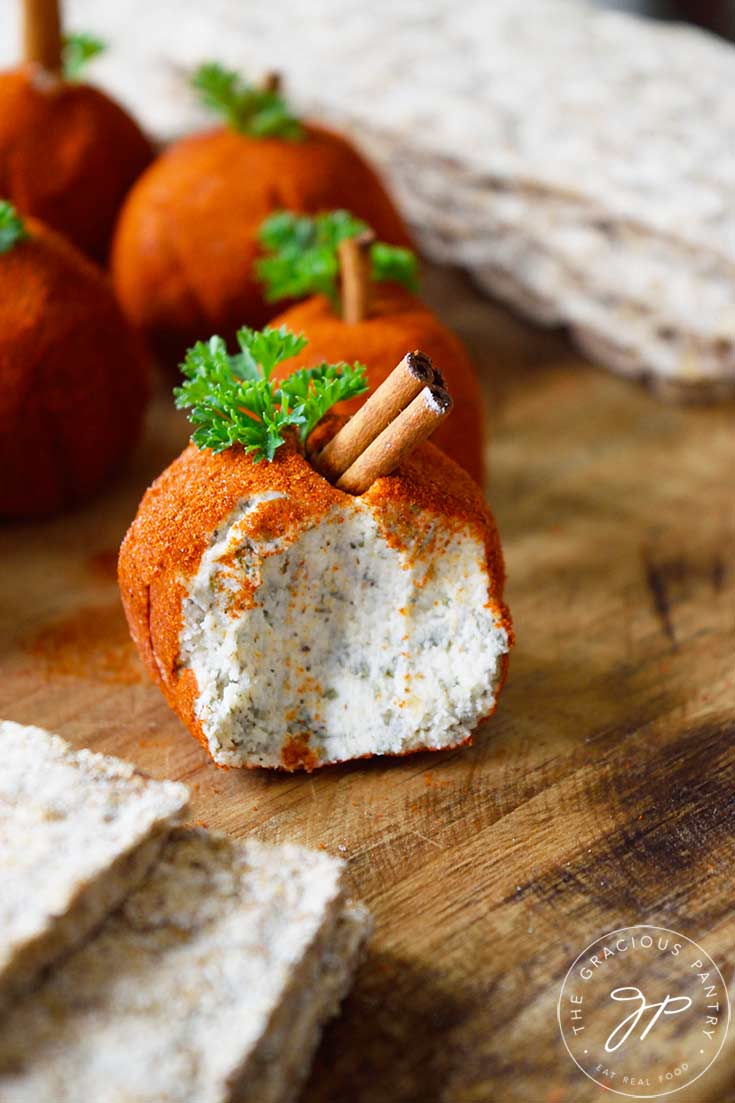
{"type": "Point", "coordinates": [303, 258]}
{"type": "Point", "coordinates": [12, 228]}
{"type": "Point", "coordinates": [77, 50]}
{"type": "Point", "coordinates": [233, 399]}
{"type": "Point", "coordinates": [260, 112]}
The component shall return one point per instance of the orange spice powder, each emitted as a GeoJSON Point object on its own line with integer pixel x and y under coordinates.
{"type": "Point", "coordinates": [92, 642]}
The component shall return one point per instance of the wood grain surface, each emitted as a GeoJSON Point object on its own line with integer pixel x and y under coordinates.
{"type": "Point", "coordinates": [601, 794]}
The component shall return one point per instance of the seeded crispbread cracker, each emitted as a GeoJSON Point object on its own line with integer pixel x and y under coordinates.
{"type": "Point", "coordinates": [78, 831]}
{"type": "Point", "coordinates": [209, 985]}
{"type": "Point", "coordinates": [578, 162]}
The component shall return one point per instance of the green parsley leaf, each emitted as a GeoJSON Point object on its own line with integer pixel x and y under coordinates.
{"type": "Point", "coordinates": [316, 390]}
{"type": "Point", "coordinates": [77, 50]}
{"type": "Point", "coordinates": [233, 399]}
{"type": "Point", "coordinates": [260, 112]}
{"type": "Point", "coordinates": [266, 348]}
{"type": "Point", "coordinates": [12, 229]}
{"type": "Point", "coordinates": [303, 258]}
{"type": "Point", "coordinates": [394, 264]}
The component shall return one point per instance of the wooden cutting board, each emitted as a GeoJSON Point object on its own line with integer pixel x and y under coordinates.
{"type": "Point", "coordinates": [601, 794]}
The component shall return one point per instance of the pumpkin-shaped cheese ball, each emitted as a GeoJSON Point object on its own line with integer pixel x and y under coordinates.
{"type": "Point", "coordinates": [184, 251]}
{"type": "Point", "coordinates": [73, 376]}
{"type": "Point", "coordinates": [291, 624]}
{"type": "Point", "coordinates": [374, 320]}
{"type": "Point", "coordinates": [68, 153]}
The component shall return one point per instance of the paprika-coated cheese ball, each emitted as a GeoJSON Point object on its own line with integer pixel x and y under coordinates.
{"type": "Point", "coordinates": [68, 155]}
{"type": "Point", "coordinates": [73, 375]}
{"type": "Point", "coordinates": [187, 239]}
{"type": "Point", "coordinates": [291, 623]}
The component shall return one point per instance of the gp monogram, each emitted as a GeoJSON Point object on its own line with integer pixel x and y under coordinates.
{"type": "Point", "coordinates": [670, 1005]}
{"type": "Point", "coordinates": [643, 1011]}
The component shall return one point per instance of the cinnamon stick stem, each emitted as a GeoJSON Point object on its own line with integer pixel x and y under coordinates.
{"type": "Point", "coordinates": [413, 373]}
{"type": "Point", "coordinates": [417, 422]}
{"type": "Point", "coordinates": [42, 41]}
{"type": "Point", "coordinates": [354, 262]}
{"type": "Point", "coordinates": [272, 82]}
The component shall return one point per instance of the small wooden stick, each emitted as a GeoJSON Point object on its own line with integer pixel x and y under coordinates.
{"type": "Point", "coordinates": [417, 422]}
{"type": "Point", "coordinates": [271, 82]}
{"type": "Point", "coordinates": [354, 263]}
{"type": "Point", "coordinates": [413, 373]}
{"type": "Point", "coordinates": [42, 40]}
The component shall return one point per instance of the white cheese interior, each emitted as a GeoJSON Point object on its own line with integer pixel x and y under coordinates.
{"type": "Point", "coordinates": [364, 647]}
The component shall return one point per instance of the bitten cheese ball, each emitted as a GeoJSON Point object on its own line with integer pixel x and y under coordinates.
{"type": "Point", "coordinates": [68, 155]}
{"type": "Point", "coordinates": [73, 376]}
{"type": "Point", "coordinates": [291, 625]}
{"type": "Point", "coordinates": [184, 250]}
{"type": "Point", "coordinates": [398, 320]}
